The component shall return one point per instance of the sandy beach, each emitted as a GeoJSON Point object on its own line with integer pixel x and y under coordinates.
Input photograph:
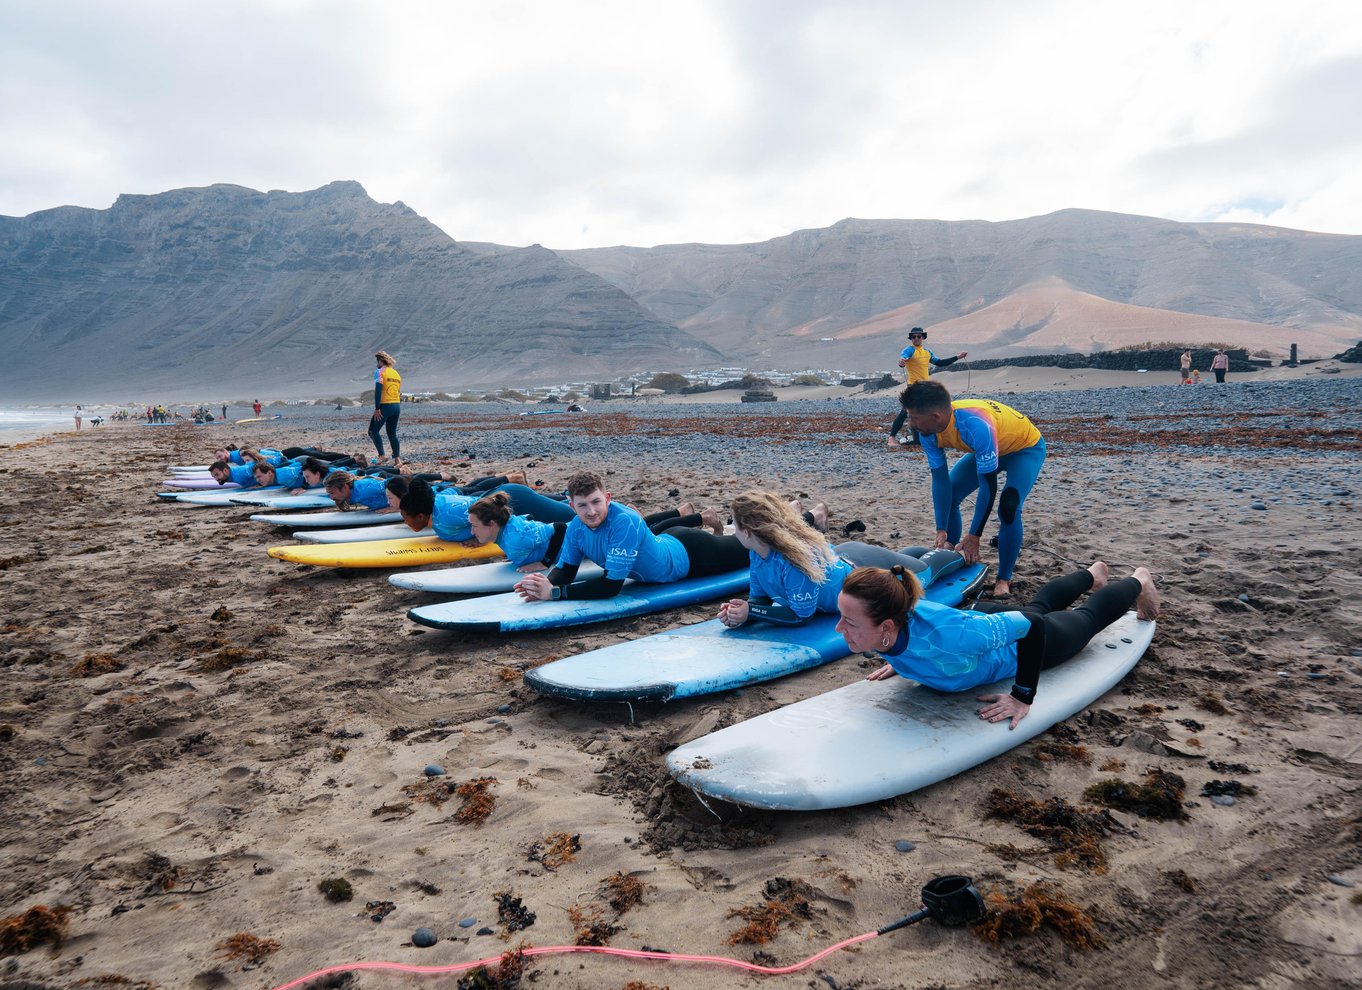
{"type": "Point", "coordinates": [194, 736]}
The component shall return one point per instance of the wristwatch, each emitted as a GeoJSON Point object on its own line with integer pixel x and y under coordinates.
{"type": "Point", "coordinates": [555, 594]}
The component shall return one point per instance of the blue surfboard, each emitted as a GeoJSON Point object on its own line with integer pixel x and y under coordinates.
{"type": "Point", "coordinates": [708, 657]}
{"type": "Point", "coordinates": [508, 613]}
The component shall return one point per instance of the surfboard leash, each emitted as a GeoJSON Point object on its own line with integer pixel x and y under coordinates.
{"type": "Point", "coordinates": [951, 901]}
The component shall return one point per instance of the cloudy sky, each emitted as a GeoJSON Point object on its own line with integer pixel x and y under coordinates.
{"type": "Point", "coordinates": [577, 123]}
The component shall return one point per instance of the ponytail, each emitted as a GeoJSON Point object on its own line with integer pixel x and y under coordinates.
{"type": "Point", "coordinates": [890, 594]}
{"type": "Point", "coordinates": [493, 508]}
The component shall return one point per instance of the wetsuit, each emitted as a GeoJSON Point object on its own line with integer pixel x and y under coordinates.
{"type": "Point", "coordinates": [920, 361]}
{"type": "Point", "coordinates": [995, 438]}
{"type": "Point", "coordinates": [388, 403]}
{"type": "Point", "coordinates": [624, 547]}
{"type": "Point", "coordinates": [782, 593]}
{"type": "Point", "coordinates": [953, 650]}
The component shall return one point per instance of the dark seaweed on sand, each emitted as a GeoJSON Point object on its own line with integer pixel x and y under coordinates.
{"type": "Point", "coordinates": [1036, 907]}
{"type": "Point", "coordinates": [1160, 796]}
{"type": "Point", "coordinates": [1072, 832]}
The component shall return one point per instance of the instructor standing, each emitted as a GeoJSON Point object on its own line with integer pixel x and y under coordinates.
{"type": "Point", "coordinates": [995, 439]}
{"type": "Point", "coordinates": [917, 362]}
{"type": "Point", "coordinates": [387, 406]}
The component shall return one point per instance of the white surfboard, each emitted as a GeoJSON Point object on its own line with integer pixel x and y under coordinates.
{"type": "Point", "coordinates": [873, 740]}
{"type": "Point", "coordinates": [309, 500]}
{"type": "Point", "coordinates": [305, 520]}
{"type": "Point", "coordinates": [398, 531]}
{"type": "Point", "coordinates": [220, 499]}
{"type": "Point", "coordinates": [474, 579]}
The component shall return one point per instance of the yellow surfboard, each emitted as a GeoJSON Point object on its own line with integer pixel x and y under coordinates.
{"type": "Point", "coordinates": [383, 553]}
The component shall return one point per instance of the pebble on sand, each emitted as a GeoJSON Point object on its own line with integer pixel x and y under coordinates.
{"type": "Point", "coordinates": [1338, 881]}
{"type": "Point", "coordinates": [904, 846]}
{"type": "Point", "coordinates": [424, 938]}
{"type": "Point", "coordinates": [1223, 799]}
{"type": "Point", "coordinates": [468, 922]}
{"type": "Point", "coordinates": [434, 770]}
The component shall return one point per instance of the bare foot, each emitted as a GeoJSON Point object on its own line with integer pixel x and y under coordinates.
{"type": "Point", "coordinates": [820, 517]}
{"type": "Point", "coordinates": [712, 522]}
{"type": "Point", "coordinates": [686, 509]}
{"type": "Point", "coordinates": [1002, 588]}
{"type": "Point", "coordinates": [894, 443]}
{"type": "Point", "coordinates": [798, 506]}
{"type": "Point", "coordinates": [381, 459]}
{"type": "Point", "coordinates": [446, 476]}
{"type": "Point", "coordinates": [516, 478]}
{"type": "Point", "coordinates": [1100, 573]}
{"type": "Point", "coordinates": [1147, 605]}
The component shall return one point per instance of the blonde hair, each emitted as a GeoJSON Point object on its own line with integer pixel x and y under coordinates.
{"type": "Point", "coordinates": [890, 594]}
{"type": "Point", "coordinates": [338, 479]}
{"type": "Point", "coordinates": [767, 517]}
{"type": "Point", "coordinates": [385, 357]}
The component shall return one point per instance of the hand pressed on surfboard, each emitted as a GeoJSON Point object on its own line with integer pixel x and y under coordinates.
{"type": "Point", "coordinates": [1003, 706]}
{"type": "Point", "coordinates": [969, 548]}
{"type": "Point", "coordinates": [534, 588]}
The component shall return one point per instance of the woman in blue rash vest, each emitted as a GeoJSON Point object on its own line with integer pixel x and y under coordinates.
{"type": "Point", "coordinates": [956, 650]}
{"type": "Point", "coordinates": [532, 545]}
{"type": "Point", "coordinates": [297, 478]}
{"type": "Point", "coordinates": [795, 572]}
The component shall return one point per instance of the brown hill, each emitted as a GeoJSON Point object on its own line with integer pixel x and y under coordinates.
{"type": "Point", "coordinates": [1076, 280]}
{"type": "Point", "coordinates": [223, 289]}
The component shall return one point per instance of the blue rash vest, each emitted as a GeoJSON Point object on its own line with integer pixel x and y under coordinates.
{"type": "Point", "coordinates": [525, 541]}
{"type": "Point", "coordinates": [774, 577]}
{"type": "Point", "coordinates": [624, 547]}
{"type": "Point", "coordinates": [272, 456]}
{"type": "Point", "coordinates": [950, 650]}
{"type": "Point", "coordinates": [372, 493]}
{"type": "Point", "coordinates": [243, 475]}
{"type": "Point", "coordinates": [289, 476]}
{"type": "Point", "coordinates": [450, 516]}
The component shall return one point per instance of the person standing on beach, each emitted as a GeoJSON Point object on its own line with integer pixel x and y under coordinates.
{"type": "Point", "coordinates": [256, 407]}
{"type": "Point", "coordinates": [1220, 364]}
{"type": "Point", "coordinates": [994, 438]}
{"type": "Point", "coordinates": [78, 413]}
{"type": "Point", "coordinates": [1185, 365]}
{"type": "Point", "coordinates": [917, 362]}
{"type": "Point", "coordinates": [387, 406]}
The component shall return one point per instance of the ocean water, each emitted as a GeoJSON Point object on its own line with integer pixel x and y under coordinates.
{"type": "Point", "coordinates": [26, 422]}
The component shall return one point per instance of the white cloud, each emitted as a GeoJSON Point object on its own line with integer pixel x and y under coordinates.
{"type": "Point", "coordinates": [607, 122]}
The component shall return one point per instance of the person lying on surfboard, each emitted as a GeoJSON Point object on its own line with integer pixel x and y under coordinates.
{"type": "Point", "coordinates": [953, 650]}
{"type": "Point", "coordinates": [447, 509]}
{"type": "Point", "coordinates": [532, 545]}
{"type": "Point", "coordinates": [795, 571]}
{"type": "Point", "coordinates": [297, 478]}
{"type": "Point", "coordinates": [238, 474]}
{"type": "Point", "coordinates": [616, 537]}
{"type": "Point", "coordinates": [245, 455]}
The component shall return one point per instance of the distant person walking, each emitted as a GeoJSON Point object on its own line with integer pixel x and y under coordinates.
{"type": "Point", "coordinates": [917, 362]}
{"type": "Point", "coordinates": [387, 406]}
{"type": "Point", "coordinates": [78, 413]}
{"type": "Point", "coordinates": [224, 411]}
{"type": "Point", "coordinates": [256, 407]}
{"type": "Point", "coordinates": [1185, 365]}
{"type": "Point", "coordinates": [1220, 364]}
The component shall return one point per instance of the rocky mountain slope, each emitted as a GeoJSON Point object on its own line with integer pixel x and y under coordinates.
{"type": "Point", "coordinates": [1077, 280]}
{"type": "Point", "coordinates": [227, 291]}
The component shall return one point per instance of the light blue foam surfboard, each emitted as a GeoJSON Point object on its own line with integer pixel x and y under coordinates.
{"type": "Point", "coordinates": [397, 531]}
{"type": "Point", "coordinates": [474, 579]}
{"type": "Point", "coordinates": [284, 502]}
{"type": "Point", "coordinates": [873, 740]}
{"type": "Point", "coordinates": [508, 613]}
{"type": "Point", "coordinates": [708, 657]}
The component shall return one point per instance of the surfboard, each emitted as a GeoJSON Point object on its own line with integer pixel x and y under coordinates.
{"type": "Point", "coordinates": [259, 419]}
{"type": "Point", "coordinates": [508, 613]}
{"type": "Point", "coordinates": [222, 499]}
{"type": "Point", "coordinates": [318, 501]}
{"type": "Point", "coordinates": [208, 484]}
{"type": "Point", "coordinates": [362, 534]}
{"type": "Point", "coordinates": [188, 468]}
{"type": "Point", "coordinates": [708, 657]}
{"type": "Point", "coordinates": [476, 579]}
{"type": "Point", "coordinates": [304, 520]}
{"type": "Point", "coordinates": [873, 740]}
{"type": "Point", "coordinates": [382, 553]}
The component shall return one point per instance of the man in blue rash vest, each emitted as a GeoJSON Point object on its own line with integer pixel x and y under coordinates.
{"type": "Point", "coordinates": [617, 538]}
{"type": "Point", "coordinates": [240, 474]}
{"type": "Point", "coordinates": [994, 438]}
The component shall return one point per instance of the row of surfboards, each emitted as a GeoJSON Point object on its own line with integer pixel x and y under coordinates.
{"type": "Point", "coordinates": [868, 741]}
